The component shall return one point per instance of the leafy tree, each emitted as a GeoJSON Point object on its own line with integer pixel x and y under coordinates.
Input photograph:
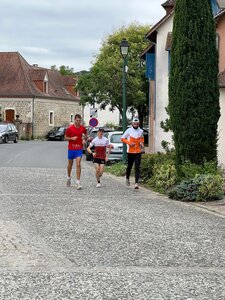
{"type": "Point", "coordinates": [64, 70]}
{"type": "Point", "coordinates": [193, 85]}
{"type": "Point", "coordinates": [103, 84]}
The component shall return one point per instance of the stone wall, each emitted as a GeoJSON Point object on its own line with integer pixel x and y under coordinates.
{"type": "Point", "coordinates": [22, 107]}
{"type": "Point", "coordinates": [62, 111]}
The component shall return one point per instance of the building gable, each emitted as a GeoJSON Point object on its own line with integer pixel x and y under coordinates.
{"type": "Point", "coordinates": [19, 79]}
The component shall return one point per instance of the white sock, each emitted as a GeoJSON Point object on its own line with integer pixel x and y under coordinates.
{"type": "Point", "coordinates": [68, 177]}
{"type": "Point", "coordinates": [78, 181]}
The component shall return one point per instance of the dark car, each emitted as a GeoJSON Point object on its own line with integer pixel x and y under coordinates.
{"type": "Point", "coordinates": [93, 135]}
{"type": "Point", "coordinates": [8, 132]}
{"type": "Point", "coordinates": [56, 133]}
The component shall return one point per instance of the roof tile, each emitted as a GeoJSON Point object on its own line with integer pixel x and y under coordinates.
{"type": "Point", "coordinates": [18, 78]}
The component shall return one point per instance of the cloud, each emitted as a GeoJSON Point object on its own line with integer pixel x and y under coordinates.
{"type": "Point", "coordinates": [67, 32]}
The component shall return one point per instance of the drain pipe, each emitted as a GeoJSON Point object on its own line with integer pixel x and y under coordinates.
{"type": "Point", "coordinates": [33, 119]}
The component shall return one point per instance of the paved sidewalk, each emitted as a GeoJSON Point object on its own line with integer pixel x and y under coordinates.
{"type": "Point", "coordinates": [214, 206]}
{"type": "Point", "coordinates": [113, 243]}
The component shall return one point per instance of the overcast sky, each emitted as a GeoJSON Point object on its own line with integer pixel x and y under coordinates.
{"type": "Point", "coordinates": [68, 32]}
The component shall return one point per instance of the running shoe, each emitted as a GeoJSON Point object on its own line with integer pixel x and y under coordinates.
{"type": "Point", "coordinates": [136, 187]}
{"type": "Point", "coordinates": [68, 182]}
{"type": "Point", "coordinates": [79, 186]}
{"type": "Point", "coordinates": [127, 182]}
{"type": "Point", "coordinates": [98, 185]}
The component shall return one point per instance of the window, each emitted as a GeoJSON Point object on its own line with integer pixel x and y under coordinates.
{"type": "Point", "coordinates": [116, 138]}
{"type": "Point", "coordinates": [71, 118]}
{"type": "Point", "coordinates": [45, 87]}
{"type": "Point", "coordinates": [51, 118]}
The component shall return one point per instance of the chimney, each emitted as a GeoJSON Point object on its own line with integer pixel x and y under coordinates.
{"type": "Point", "coordinates": [168, 6]}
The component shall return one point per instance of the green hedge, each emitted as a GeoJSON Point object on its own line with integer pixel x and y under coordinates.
{"type": "Point", "coordinates": [203, 187]}
{"type": "Point", "coordinates": [150, 162]}
{"type": "Point", "coordinates": [197, 183]}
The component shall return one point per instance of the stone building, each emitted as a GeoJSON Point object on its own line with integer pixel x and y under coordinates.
{"type": "Point", "coordinates": [35, 97]}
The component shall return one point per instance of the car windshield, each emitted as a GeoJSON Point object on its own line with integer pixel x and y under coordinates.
{"type": "Point", "coordinates": [116, 138]}
{"type": "Point", "coordinates": [61, 129]}
{"type": "Point", "coordinates": [3, 127]}
{"type": "Point", "coordinates": [54, 129]}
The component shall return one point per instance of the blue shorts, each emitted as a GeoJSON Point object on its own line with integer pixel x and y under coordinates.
{"type": "Point", "coordinates": [72, 154]}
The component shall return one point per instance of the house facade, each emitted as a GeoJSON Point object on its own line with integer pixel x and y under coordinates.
{"type": "Point", "coordinates": [36, 98]}
{"type": "Point", "coordinates": [104, 116]}
{"type": "Point", "coordinates": [157, 57]}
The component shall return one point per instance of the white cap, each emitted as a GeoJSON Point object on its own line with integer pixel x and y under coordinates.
{"type": "Point", "coordinates": [135, 120]}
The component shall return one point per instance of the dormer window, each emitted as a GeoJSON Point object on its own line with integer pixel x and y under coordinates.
{"type": "Point", "coordinates": [45, 84]}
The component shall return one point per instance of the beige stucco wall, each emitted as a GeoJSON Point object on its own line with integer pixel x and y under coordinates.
{"type": "Point", "coordinates": [22, 107]}
{"type": "Point", "coordinates": [62, 110]}
{"type": "Point", "coordinates": [162, 77]}
{"type": "Point", "coordinates": [221, 129]}
{"type": "Point", "coordinates": [220, 31]}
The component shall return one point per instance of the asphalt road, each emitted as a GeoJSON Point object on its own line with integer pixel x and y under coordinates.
{"type": "Point", "coordinates": [34, 154]}
{"type": "Point", "coordinates": [109, 243]}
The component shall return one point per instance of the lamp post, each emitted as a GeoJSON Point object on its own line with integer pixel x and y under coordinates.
{"type": "Point", "coordinates": [124, 47]}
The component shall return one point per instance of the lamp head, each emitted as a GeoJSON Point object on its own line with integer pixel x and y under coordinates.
{"type": "Point", "coordinates": [124, 48]}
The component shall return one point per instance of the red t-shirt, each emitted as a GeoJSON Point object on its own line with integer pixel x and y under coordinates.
{"type": "Point", "coordinates": [75, 131]}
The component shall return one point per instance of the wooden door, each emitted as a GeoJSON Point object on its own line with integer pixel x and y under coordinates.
{"type": "Point", "coordinates": [10, 115]}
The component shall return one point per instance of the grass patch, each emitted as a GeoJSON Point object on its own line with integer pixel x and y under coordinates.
{"type": "Point", "coordinates": [117, 169]}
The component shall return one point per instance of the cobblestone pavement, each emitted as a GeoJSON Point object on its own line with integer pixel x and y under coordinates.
{"type": "Point", "coordinates": [109, 243]}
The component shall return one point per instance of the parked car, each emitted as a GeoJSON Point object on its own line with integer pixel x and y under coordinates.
{"type": "Point", "coordinates": [93, 135]}
{"type": "Point", "coordinates": [116, 153]}
{"type": "Point", "coordinates": [56, 133]}
{"type": "Point", "coordinates": [8, 132]}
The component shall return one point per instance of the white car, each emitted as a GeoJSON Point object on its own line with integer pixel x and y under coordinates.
{"type": "Point", "coordinates": [114, 138]}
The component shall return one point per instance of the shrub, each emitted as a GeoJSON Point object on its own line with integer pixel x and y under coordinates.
{"type": "Point", "coordinates": [150, 162]}
{"type": "Point", "coordinates": [201, 188]}
{"type": "Point", "coordinates": [210, 187]}
{"type": "Point", "coordinates": [164, 176]}
{"type": "Point", "coordinates": [190, 170]}
{"type": "Point", "coordinates": [186, 191]}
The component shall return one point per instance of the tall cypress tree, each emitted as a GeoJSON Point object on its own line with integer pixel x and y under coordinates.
{"type": "Point", "coordinates": [193, 85]}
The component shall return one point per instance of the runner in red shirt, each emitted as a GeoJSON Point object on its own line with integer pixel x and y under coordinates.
{"type": "Point", "coordinates": [75, 135]}
{"type": "Point", "coordinates": [99, 156]}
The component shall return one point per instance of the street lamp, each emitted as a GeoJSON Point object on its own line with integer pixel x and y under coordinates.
{"type": "Point", "coordinates": [124, 47]}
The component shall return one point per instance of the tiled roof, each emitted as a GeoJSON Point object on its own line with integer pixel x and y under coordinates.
{"type": "Point", "coordinates": [221, 78]}
{"type": "Point", "coordinates": [157, 25]}
{"type": "Point", "coordinates": [19, 79]}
